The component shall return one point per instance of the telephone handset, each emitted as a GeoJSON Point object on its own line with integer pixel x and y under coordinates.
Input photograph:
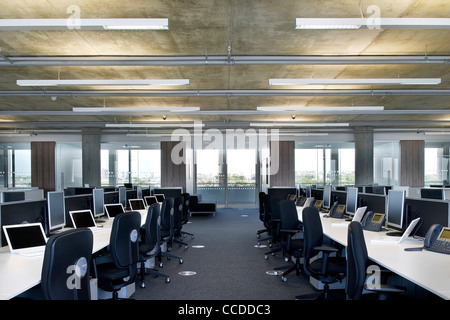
{"type": "Point", "coordinates": [373, 221]}
{"type": "Point", "coordinates": [337, 211]}
{"type": "Point", "coordinates": [300, 201]}
{"type": "Point", "coordinates": [437, 239]}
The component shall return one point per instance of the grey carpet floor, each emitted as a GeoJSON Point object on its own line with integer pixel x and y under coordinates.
{"type": "Point", "coordinates": [228, 266]}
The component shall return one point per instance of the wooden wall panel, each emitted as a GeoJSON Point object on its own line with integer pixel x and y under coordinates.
{"type": "Point", "coordinates": [412, 163]}
{"type": "Point", "coordinates": [172, 174]}
{"type": "Point", "coordinates": [285, 175]}
{"type": "Point", "coordinates": [43, 165]}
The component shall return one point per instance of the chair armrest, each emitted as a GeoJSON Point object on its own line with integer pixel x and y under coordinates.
{"type": "Point", "coordinates": [291, 230]}
{"type": "Point", "coordinates": [326, 249]}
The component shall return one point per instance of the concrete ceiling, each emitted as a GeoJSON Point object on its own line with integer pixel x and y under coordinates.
{"type": "Point", "coordinates": [228, 49]}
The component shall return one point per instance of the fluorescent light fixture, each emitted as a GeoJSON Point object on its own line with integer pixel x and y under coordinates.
{"type": "Point", "coordinates": [437, 133]}
{"type": "Point", "coordinates": [372, 23]}
{"type": "Point", "coordinates": [320, 109]}
{"type": "Point", "coordinates": [299, 124]}
{"type": "Point", "coordinates": [135, 109]}
{"type": "Point", "coordinates": [152, 125]}
{"type": "Point", "coordinates": [84, 24]}
{"type": "Point", "coordinates": [368, 81]}
{"type": "Point", "coordinates": [86, 82]}
{"type": "Point", "coordinates": [16, 134]}
{"type": "Point", "coordinates": [311, 134]}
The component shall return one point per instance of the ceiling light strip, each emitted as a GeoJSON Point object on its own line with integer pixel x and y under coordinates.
{"type": "Point", "coordinates": [372, 23]}
{"type": "Point", "coordinates": [368, 81]}
{"type": "Point", "coordinates": [134, 109]}
{"type": "Point", "coordinates": [86, 82]}
{"type": "Point", "coordinates": [84, 24]}
{"type": "Point", "coordinates": [153, 125]}
{"type": "Point", "coordinates": [320, 109]}
{"type": "Point", "coordinates": [299, 124]}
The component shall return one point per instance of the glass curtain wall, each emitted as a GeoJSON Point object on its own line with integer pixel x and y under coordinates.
{"type": "Point", "coordinates": [140, 167]}
{"type": "Point", "coordinates": [15, 165]}
{"type": "Point", "coordinates": [69, 165]}
{"type": "Point", "coordinates": [437, 163]}
{"type": "Point", "coordinates": [386, 163]}
{"type": "Point", "coordinates": [331, 164]}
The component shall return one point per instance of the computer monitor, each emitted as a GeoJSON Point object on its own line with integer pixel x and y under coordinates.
{"type": "Point", "coordinates": [396, 209]}
{"type": "Point", "coordinates": [82, 219]}
{"type": "Point", "coordinates": [160, 197]}
{"type": "Point", "coordinates": [326, 197]}
{"type": "Point", "coordinates": [113, 209]}
{"type": "Point", "coordinates": [136, 204]}
{"type": "Point", "coordinates": [432, 193]}
{"type": "Point", "coordinates": [351, 202]}
{"type": "Point", "coordinates": [56, 210]}
{"type": "Point", "coordinates": [149, 200]}
{"type": "Point", "coordinates": [98, 199]}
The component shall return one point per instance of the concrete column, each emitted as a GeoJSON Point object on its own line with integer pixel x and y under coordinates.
{"type": "Point", "coordinates": [364, 156]}
{"type": "Point", "coordinates": [91, 142]}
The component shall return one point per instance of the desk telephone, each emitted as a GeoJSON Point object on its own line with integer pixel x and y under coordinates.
{"type": "Point", "coordinates": [373, 221]}
{"type": "Point", "coordinates": [437, 239]}
{"type": "Point", "coordinates": [300, 201]}
{"type": "Point", "coordinates": [336, 211]}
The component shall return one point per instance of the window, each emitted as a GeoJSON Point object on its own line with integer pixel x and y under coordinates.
{"type": "Point", "coordinates": [125, 165]}
{"type": "Point", "coordinates": [386, 163]}
{"type": "Point", "coordinates": [437, 163]}
{"type": "Point", "coordinates": [317, 164]}
{"type": "Point", "coordinates": [15, 165]}
{"type": "Point", "coordinates": [69, 165]}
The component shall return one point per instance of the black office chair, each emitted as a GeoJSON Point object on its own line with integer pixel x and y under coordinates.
{"type": "Point", "coordinates": [327, 269]}
{"type": "Point", "coordinates": [186, 214]}
{"type": "Point", "coordinates": [149, 246]}
{"type": "Point", "coordinates": [275, 222]}
{"type": "Point", "coordinates": [290, 236]}
{"type": "Point", "coordinates": [261, 213]}
{"type": "Point", "coordinates": [178, 221]}
{"type": "Point", "coordinates": [65, 271]}
{"type": "Point", "coordinates": [167, 230]}
{"type": "Point", "coordinates": [267, 219]}
{"type": "Point", "coordinates": [357, 266]}
{"type": "Point", "coordinates": [118, 268]}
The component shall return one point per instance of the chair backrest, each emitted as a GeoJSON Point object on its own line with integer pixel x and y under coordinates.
{"type": "Point", "coordinates": [178, 206]}
{"type": "Point", "coordinates": [66, 266]}
{"type": "Point", "coordinates": [274, 208]}
{"type": "Point", "coordinates": [124, 238]}
{"type": "Point", "coordinates": [186, 211]}
{"type": "Point", "coordinates": [167, 212]}
{"type": "Point", "coordinates": [152, 224]}
{"type": "Point", "coordinates": [312, 232]}
{"type": "Point", "coordinates": [357, 261]}
{"type": "Point", "coordinates": [261, 205]}
{"type": "Point", "coordinates": [288, 214]}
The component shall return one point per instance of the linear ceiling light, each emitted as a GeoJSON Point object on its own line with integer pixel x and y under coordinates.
{"type": "Point", "coordinates": [299, 124]}
{"type": "Point", "coordinates": [368, 81]}
{"type": "Point", "coordinates": [152, 125]}
{"type": "Point", "coordinates": [84, 24]}
{"type": "Point", "coordinates": [85, 82]}
{"type": "Point", "coordinates": [135, 109]}
{"type": "Point", "coordinates": [372, 23]}
{"type": "Point", "coordinates": [320, 109]}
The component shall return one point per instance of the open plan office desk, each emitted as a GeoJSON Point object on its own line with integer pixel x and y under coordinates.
{"type": "Point", "coordinates": [19, 274]}
{"type": "Point", "coordinates": [429, 270]}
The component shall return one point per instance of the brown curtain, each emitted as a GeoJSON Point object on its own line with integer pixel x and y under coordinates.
{"type": "Point", "coordinates": [43, 165]}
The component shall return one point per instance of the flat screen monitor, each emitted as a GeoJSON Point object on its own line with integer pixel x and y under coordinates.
{"type": "Point", "coordinates": [326, 197]}
{"type": "Point", "coordinates": [98, 199]}
{"type": "Point", "coordinates": [56, 210]}
{"type": "Point", "coordinates": [351, 202]}
{"type": "Point", "coordinates": [432, 193]}
{"type": "Point", "coordinates": [82, 219]}
{"type": "Point", "coordinates": [395, 208]}
{"type": "Point", "coordinates": [113, 209]}
{"type": "Point", "coordinates": [160, 197]}
{"type": "Point", "coordinates": [136, 204]}
{"type": "Point", "coordinates": [149, 200]}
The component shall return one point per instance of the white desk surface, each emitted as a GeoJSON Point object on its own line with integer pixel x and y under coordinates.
{"type": "Point", "coordinates": [19, 274]}
{"type": "Point", "coordinates": [427, 269]}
